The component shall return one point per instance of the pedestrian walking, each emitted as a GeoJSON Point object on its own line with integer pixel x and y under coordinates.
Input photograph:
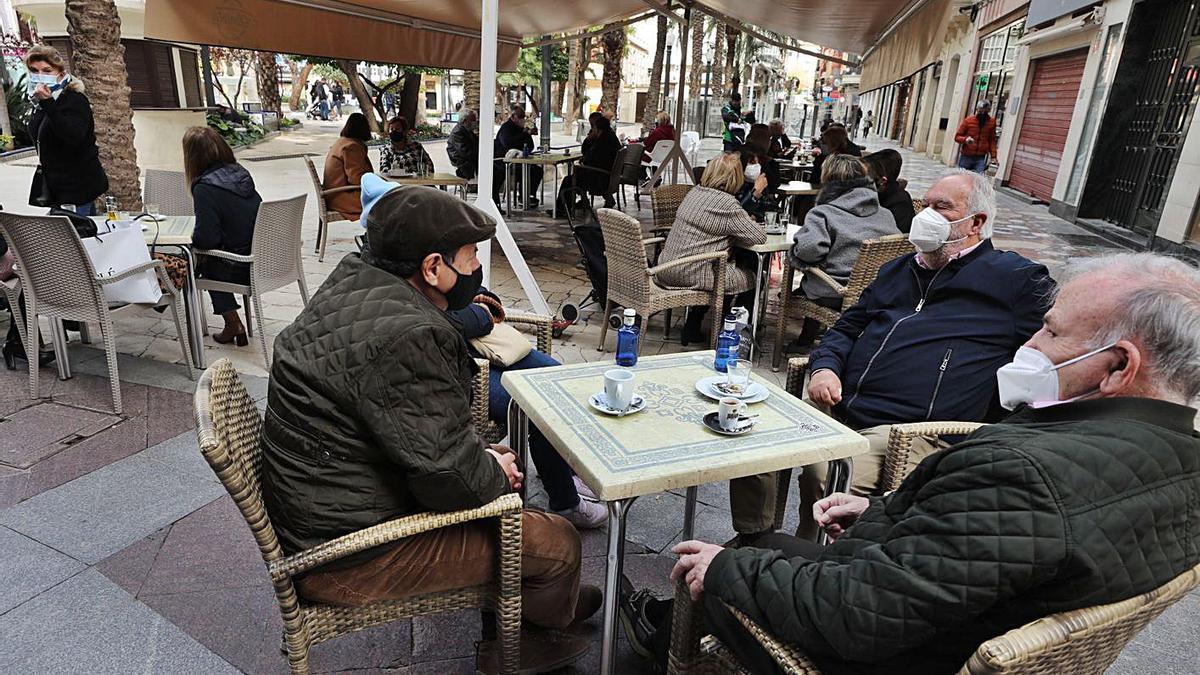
{"type": "Point", "coordinates": [868, 122]}
{"type": "Point", "coordinates": [320, 95]}
{"type": "Point", "coordinates": [339, 99]}
{"type": "Point", "coordinates": [735, 126]}
{"type": "Point", "coordinates": [977, 139]}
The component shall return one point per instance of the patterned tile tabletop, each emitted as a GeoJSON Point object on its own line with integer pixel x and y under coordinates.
{"type": "Point", "coordinates": [665, 446]}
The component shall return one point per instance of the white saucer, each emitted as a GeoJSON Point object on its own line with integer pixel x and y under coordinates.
{"type": "Point", "coordinates": [710, 422]}
{"type": "Point", "coordinates": [600, 402]}
{"type": "Point", "coordinates": [754, 393]}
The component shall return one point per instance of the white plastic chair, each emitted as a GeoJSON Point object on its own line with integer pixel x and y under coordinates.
{"type": "Point", "coordinates": [689, 142]}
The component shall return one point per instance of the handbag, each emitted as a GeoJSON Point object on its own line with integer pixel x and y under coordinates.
{"type": "Point", "coordinates": [503, 346]}
{"type": "Point", "coordinates": [117, 251]}
{"type": "Point", "coordinates": [39, 191]}
{"type": "Point", "coordinates": [86, 227]}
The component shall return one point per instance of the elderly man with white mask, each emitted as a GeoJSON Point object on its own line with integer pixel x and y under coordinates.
{"type": "Point", "coordinates": [924, 341]}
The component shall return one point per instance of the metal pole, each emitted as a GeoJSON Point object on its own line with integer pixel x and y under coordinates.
{"type": "Point", "coordinates": [210, 94]}
{"type": "Point", "coordinates": [666, 74]}
{"type": "Point", "coordinates": [546, 96]}
{"type": "Point", "coordinates": [684, 30]}
{"type": "Point", "coordinates": [707, 96]}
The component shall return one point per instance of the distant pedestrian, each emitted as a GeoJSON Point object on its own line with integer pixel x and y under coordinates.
{"type": "Point", "coordinates": [868, 122]}
{"type": "Point", "coordinates": [735, 126]}
{"type": "Point", "coordinates": [977, 139]}
{"type": "Point", "coordinates": [339, 99]}
{"type": "Point", "coordinates": [319, 93]}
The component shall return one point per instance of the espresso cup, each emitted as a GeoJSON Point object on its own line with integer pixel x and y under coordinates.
{"type": "Point", "coordinates": [729, 411]}
{"type": "Point", "coordinates": [618, 389]}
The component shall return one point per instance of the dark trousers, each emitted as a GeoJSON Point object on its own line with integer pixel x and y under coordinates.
{"type": "Point", "coordinates": [499, 173]}
{"type": "Point", "coordinates": [572, 183]}
{"type": "Point", "coordinates": [695, 315]}
{"type": "Point", "coordinates": [227, 271]}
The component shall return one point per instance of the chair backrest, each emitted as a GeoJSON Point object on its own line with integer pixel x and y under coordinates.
{"type": "Point", "coordinates": [277, 242]}
{"type": "Point", "coordinates": [873, 254]}
{"type": "Point", "coordinates": [918, 205]}
{"type": "Point", "coordinates": [690, 141]}
{"type": "Point", "coordinates": [628, 283]}
{"type": "Point", "coordinates": [169, 191]}
{"type": "Point", "coordinates": [317, 188]}
{"type": "Point", "coordinates": [660, 151]}
{"type": "Point", "coordinates": [631, 170]}
{"type": "Point", "coordinates": [56, 272]}
{"type": "Point", "coordinates": [665, 201]}
{"type": "Point", "coordinates": [614, 176]}
{"type": "Point", "coordinates": [1082, 642]}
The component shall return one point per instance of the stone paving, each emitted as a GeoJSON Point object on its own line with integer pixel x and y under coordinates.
{"type": "Point", "coordinates": [121, 552]}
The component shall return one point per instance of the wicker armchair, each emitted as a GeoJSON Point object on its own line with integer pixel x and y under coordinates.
{"type": "Point", "coordinates": [228, 425]}
{"type": "Point", "coordinates": [1081, 642]}
{"type": "Point", "coordinates": [59, 282]}
{"type": "Point", "coordinates": [325, 215]}
{"type": "Point", "coordinates": [664, 204]}
{"type": "Point", "coordinates": [169, 191]}
{"type": "Point", "coordinates": [631, 280]}
{"type": "Point", "coordinates": [873, 254]}
{"type": "Point", "coordinates": [491, 431]}
{"type": "Point", "coordinates": [274, 261]}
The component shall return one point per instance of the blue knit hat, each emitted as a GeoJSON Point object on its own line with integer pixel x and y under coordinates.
{"type": "Point", "coordinates": [373, 188]}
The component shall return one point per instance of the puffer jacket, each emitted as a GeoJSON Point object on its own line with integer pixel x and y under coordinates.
{"type": "Point", "coordinates": [984, 136]}
{"type": "Point", "coordinates": [463, 149]}
{"type": "Point", "coordinates": [226, 205]}
{"type": "Point", "coordinates": [368, 413]}
{"type": "Point", "coordinates": [926, 344]}
{"type": "Point", "coordinates": [1052, 510]}
{"type": "Point", "coordinates": [847, 214]}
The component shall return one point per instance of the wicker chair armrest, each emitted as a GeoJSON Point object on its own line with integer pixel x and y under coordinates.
{"type": "Point", "coordinates": [217, 253]}
{"type": "Point", "coordinates": [936, 428]}
{"type": "Point", "coordinates": [825, 278]}
{"type": "Point", "coordinates": [687, 628]}
{"type": "Point", "coordinates": [384, 533]}
{"type": "Point", "coordinates": [542, 326]}
{"type": "Point", "coordinates": [788, 658]}
{"type": "Point", "coordinates": [797, 368]}
{"type": "Point", "coordinates": [660, 231]}
{"type": "Point", "coordinates": [653, 240]}
{"type": "Point", "coordinates": [344, 188]}
{"type": "Point", "coordinates": [132, 271]}
{"type": "Point", "coordinates": [699, 257]}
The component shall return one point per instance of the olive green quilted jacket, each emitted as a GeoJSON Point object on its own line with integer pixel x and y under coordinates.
{"type": "Point", "coordinates": [1054, 509]}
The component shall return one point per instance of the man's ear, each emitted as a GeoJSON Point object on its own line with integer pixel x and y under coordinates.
{"type": "Point", "coordinates": [1122, 378]}
{"type": "Point", "coordinates": [430, 268]}
{"type": "Point", "coordinates": [977, 224]}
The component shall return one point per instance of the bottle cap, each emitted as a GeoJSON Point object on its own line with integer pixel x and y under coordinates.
{"type": "Point", "coordinates": [630, 312]}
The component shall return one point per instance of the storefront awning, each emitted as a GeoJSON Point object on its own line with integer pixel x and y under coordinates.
{"type": "Point", "coordinates": [913, 45]}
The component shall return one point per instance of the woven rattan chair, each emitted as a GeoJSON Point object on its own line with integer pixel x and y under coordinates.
{"type": "Point", "coordinates": [631, 280]}
{"type": "Point", "coordinates": [274, 261]}
{"type": "Point", "coordinates": [169, 191]}
{"type": "Point", "coordinates": [918, 205]}
{"type": "Point", "coordinates": [1080, 642]}
{"type": "Point", "coordinates": [486, 428]}
{"type": "Point", "coordinates": [60, 283]}
{"type": "Point", "coordinates": [873, 254]}
{"type": "Point", "coordinates": [228, 425]}
{"type": "Point", "coordinates": [664, 204]}
{"type": "Point", "coordinates": [325, 215]}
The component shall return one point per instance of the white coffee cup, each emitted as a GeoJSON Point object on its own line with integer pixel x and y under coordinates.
{"type": "Point", "coordinates": [729, 412]}
{"type": "Point", "coordinates": [618, 388]}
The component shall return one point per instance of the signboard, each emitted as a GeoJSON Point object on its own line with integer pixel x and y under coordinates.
{"type": "Point", "coordinates": [1044, 11]}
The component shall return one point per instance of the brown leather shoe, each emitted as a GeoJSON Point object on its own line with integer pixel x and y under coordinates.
{"type": "Point", "coordinates": [542, 651]}
{"type": "Point", "coordinates": [590, 600]}
{"type": "Point", "coordinates": [235, 335]}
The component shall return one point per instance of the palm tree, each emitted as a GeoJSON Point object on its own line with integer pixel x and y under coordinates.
{"type": "Point", "coordinates": [365, 104]}
{"type": "Point", "coordinates": [579, 58]}
{"type": "Point", "coordinates": [652, 95]}
{"type": "Point", "coordinates": [731, 48]}
{"type": "Point", "coordinates": [267, 73]}
{"type": "Point", "coordinates": [717, 81]}
{"type": "Point", "coordinates": [696, 67]}
{"type": "Point", "coordinates": [471, 90]}
{"type": "Point", "coordinates": [614, 52]}
{"type": "Point", "coordinates": [99, 60]}
{"type": "Point", "coordinates": [300, 75]}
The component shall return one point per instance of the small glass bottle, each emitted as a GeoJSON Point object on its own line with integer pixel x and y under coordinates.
{"type": "Point", "coordinates": [627, 340]}
{"type": "Point", "coordinates": [110, 208]}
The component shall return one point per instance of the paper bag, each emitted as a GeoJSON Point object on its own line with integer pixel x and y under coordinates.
{"type": "Point", "coordinates": [116, 251]}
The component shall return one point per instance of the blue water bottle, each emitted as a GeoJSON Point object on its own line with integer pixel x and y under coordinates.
{"type": "Point", "coordinates": [727, 344]}
{"type": "Point", "coordinates": [627, 340]}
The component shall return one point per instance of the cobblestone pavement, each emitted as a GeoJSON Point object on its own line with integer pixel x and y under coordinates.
{"type": "Point", "coordinates": [121, 552]}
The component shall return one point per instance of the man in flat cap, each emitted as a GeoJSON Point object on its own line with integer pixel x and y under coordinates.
{"type": "Point", "coordinates": [368, 419]}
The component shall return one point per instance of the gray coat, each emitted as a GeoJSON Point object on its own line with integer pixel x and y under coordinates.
{"type": "Point", "coordinates": [847, 214]}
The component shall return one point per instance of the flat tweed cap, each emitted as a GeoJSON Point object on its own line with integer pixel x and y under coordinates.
{"type": "Point", "coordinates": [412, 221]}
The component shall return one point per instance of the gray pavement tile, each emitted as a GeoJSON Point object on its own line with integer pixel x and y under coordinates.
{"type": "Point", "coordinates": [87, 624]}
{"type": "Point", "coordinates": [461, 666]}
{"type": "Point", "coordinates": [101, 513]}
{"type": "Point", "coordinates": [102, 449]}
{"type": "Point", "coordinates": [148, 372]}
{"type": "Point", "coordinates": [130, 567]}
{"type": "Point", "coordinates": [13, 484]}
{"type": "Point", "coordinates": [95, 393]}
{"type": "Point", "coordinates": [170, 414]}
{"type": "Point", "coordinates": [445, 636]}
{"type": "Point", "coordinates": [28, 568]}
{"type": "Point", "coordinates": [209, 548]}
{"type": "Point", "coordinates": [34, 433]}
{"type": "Point", "coordinates": [645, 570]}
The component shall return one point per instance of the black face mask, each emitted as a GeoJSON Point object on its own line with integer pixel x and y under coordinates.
{"type": "Point", "coordinates": [398, 136]}
{"type": "Point", "coordinates": [464, 289]}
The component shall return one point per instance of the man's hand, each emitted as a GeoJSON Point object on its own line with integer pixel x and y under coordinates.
{"type": "Point", "coordinates": [492, 305]}
{"type": "Point", "coordinates": [825, 388]}
{"type": "Point", "coordinates": [695, 557]}
{"type": "Point", "coordinates": [837, 512]}
{"type": "Point", "coordinates": [507, 460]}
{"type": "Point", "coordinates": [760, 185]}
{"type": "Point", "coordinates": [41, 92]}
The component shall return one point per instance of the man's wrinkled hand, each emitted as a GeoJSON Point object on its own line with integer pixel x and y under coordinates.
{"type": "Point", "coordinates": [837, 512]}
{"type": "Point", "coordinates": [507, 460]}
{"type": "Point", "coordinates": [825, 388]}
{"type": "Point", "coordinates": [694, 559]}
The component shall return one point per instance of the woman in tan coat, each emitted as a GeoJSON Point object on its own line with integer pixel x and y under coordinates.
{"type": "Point", "coordinates": [345, 164]}
{"type": "Point", "coordinates": [712, 219]}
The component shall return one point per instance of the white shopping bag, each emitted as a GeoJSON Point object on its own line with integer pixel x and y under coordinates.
{"type": "Point", "coordinates": [116, 251]}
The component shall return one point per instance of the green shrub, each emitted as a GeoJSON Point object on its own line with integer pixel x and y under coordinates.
{"type": "Point", "coordinates": [287, 122]}
{"type": "Point", "coordinates": [429, 132]}
{"type": "Point", "coordinates": [236, 135]}
{"type": "Point", "coordinates": [6, 143]}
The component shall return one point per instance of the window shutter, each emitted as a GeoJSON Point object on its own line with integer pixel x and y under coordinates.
{"type": "Point", "coordinates": [166, 93]}
{"type": "Point", "coordinates": [141, 91]}
{"type": "Point", "coordinates": [190, 64]}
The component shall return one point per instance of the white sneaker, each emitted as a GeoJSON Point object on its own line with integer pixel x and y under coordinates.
{"type": "Point", "coordinates": [586, 515]}
{"type": "Point", "coordinates": [584, 491]}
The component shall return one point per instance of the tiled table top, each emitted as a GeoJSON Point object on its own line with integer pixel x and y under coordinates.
{"type": "Point", "coordinates": [665, 446]}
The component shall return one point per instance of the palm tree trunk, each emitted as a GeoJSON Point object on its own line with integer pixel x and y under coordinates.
{"type": "Point", "coordinates": [365, 104]}
{"type": "Point", "coordinates": [559, 94]}
{"type": "Point", "coordinates": [471, 90]}
{"type": "Point", "coordinates": [267, 73]}
{"type": "Point", "coordinates": [696, 67]}
{"type": "Point", "coordinates": [614, 53]}
{"type": "Point", "coordinates": [717, 81]}
{"type": "Point", "coordinates": [577, 72]}
{"type": "Point", "coordinates": [731, 49]}
{"type": "Point", "coordinates": [95, 30]}
{"type": "Point", "coordinates": [299, 82]}
{"type": "Point", "coordinates": [653, 95]}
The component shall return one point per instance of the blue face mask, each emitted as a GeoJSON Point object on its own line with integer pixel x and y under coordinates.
{"type": "Point", "coordinates": [50, 81]}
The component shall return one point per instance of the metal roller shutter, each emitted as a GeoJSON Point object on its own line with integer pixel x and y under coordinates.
{"type": "Point", "coordinates": [1048, 109]}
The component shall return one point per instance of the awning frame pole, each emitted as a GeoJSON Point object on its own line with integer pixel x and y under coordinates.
{"type": "Point", "coordinates": [490, 17]}
{"type": "Point", "coordinates": [675, 156]}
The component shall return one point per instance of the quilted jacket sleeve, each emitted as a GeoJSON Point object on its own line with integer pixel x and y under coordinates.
{"type": "Point", "coordinates": [977, 529]}
{"type": "Point", "coordinates": [420, 414]}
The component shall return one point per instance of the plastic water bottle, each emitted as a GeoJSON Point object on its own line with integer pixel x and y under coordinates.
{"type": "Point", "coordinates": [728, 341]}
{"type": "Point", "coordinates": [627, 340]}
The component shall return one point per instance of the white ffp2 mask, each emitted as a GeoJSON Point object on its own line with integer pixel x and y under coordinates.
{"type": "Point", "coordinates": [1033, 378]}
{"type": "Point", "coordinates": [752, 171]}
{"type": "Point", "coordinates": [931, 230]}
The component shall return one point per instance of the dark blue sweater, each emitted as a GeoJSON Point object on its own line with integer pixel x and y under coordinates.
{"type": "Point", "coordinates": [925, 345]}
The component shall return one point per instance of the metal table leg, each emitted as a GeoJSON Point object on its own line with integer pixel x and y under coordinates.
{"type": "Point", "coordinates": [617, 510]}
{"type": "Point", "coordinates": [192, 309]}
{"type": "Point", "coordinates": [554, 207]}
{"type": "Point", "coordinates": [837, 480]}
{"type": "Point", "coordinates": [759, 304]}
{"type": "Point", "coordinates": [524, 187]}
{"type": "Point", "coordinates": [508, 173]}
{"type": "Point", "coordinates": [689, 513]}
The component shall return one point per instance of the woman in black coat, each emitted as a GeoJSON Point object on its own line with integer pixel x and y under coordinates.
{"type": "Point", "coordinates": [226, 205]}
{"type": "Point", "coordinates": [65, 134]}
{"type": "Point", "coordinates": [593, 174]}
{"type": "Point", "coordinates": [757, 162]}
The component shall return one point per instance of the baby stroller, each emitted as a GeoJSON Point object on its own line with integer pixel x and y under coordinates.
{"type": "Point", "coordinates": [590, 239]}
{"type": "Point", "coordinates": [314, 111]}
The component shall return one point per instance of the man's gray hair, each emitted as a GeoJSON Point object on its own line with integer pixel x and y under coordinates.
{"type": "Point", "coordinates": [981, 199]}
{"type": "Point", "coordinates": [467, 114]}
{"type": "Point", "coordinates": [1161, 308]}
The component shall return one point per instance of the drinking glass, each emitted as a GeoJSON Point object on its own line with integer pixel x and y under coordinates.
{"type": "Point", "coordinates": [737, 376]}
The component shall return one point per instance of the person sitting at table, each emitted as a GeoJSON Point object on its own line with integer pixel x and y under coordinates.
{"type": "Point", "coordinates": [884, 167]}
{"type": "Point", "coordinates": [1089, 494]}
{"type": "Point", "coordinates": [404, 154]}
{"type": "Point", "coordinates": [756, 161]}
{"type": "Point", "coordinates": [345, 165]}
{"type": "Point", "coordinates": [369, 419]}
{"type": "Point", "coordinates": [663, 131]}
{"type": "Point", "coordinates": [846, 214]}
{"type": "Point", "coordinates": [226, 205]}
{"type": "Point", "coordinates": [463, 145]}
{"type": "Point", "coordinates": [591, 176]}
{"type": "Point", "coordinates": [781, 145]}
{"type": "Point", "coordinates": [834, 141]}
{"type": "Point", "coordinates": [711, 219]}
{"type": "Point", "coordinates": [514, 136]}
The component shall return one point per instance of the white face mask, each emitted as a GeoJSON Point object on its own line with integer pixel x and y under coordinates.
{"type": "Point", "coordinates": [752, 171]}
{"type": "Point", "coordinates": [931, 230]}
{"type": "Point", "coordinates": [41, 78]}
{"type": "Point", "coordinates": [1032, 378]}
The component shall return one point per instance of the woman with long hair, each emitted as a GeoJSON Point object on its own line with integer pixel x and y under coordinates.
{"type": "Point", "coordinates": [345, 165]}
